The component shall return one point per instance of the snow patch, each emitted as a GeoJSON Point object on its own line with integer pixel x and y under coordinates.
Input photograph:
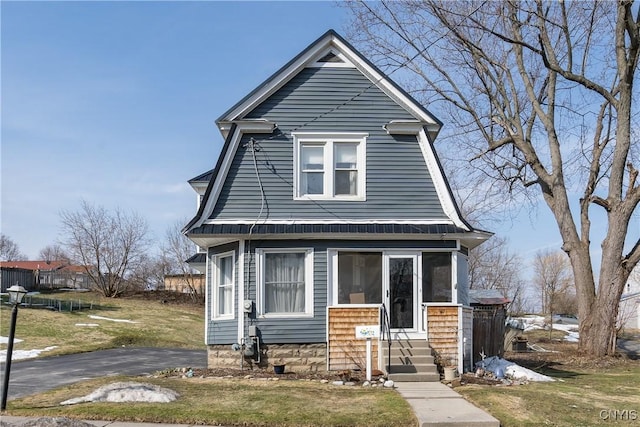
{"type": "Point", "coordinates": [127, 392]}
{"type": "Point", "coordinates": [24, 354]}
{"type": "Point", "coordinates": [496, 364]}
{"type": "Point", "coordinates": [111, 320]}
{"type": "Point", "coordinates": [531, 323]}
{"type": "Point", "coordinates": [5, 340]}
{"type": "Point", "coordinates": [92, 325]}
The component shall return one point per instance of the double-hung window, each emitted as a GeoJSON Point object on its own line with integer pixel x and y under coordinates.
{"type": "Point", "coordinates": [223, 285]}
{"type": "Point", "coordinates": [286, 282]}
{"type": "Point", "coordinates": [330, 166]}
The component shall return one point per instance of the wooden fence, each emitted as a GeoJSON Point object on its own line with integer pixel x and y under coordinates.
{"type": "Point", "coordinates": [20, 276]}
{"type": "Point", "coordinates": [488, 331]}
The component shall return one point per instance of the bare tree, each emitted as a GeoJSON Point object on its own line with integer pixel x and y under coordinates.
{"type": "Point", "coordinates": [540, 95]}
{"type": "Point", "coordinates": [552, 276]}
{"type": "Point", "coordinates": [176, 250]}
{"type": "Point", "coordinates": [53, 252]}
{"type": "Point", "coordinates": [492, 266]}
{"type": "Point", "coordinates": [110, 245]}
{"type": "Point", "coordinates": [9, 250]}
{"type": "Point", "coordinates": [149, 273]}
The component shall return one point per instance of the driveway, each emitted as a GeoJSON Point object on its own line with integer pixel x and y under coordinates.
{"type": "Point", "coordinates": [630, 346]}
{"type": "Point", "coordinates": [38, 375]}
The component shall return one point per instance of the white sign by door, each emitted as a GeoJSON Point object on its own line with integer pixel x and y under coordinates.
{"type": "Point", "coordinates": [367, 331]}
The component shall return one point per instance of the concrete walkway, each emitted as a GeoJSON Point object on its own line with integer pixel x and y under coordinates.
{"type": "Point", "coordinates": [436, 404]}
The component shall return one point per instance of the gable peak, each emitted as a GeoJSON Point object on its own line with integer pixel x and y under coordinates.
{"type": "Point", "coordinates": [330, 57]}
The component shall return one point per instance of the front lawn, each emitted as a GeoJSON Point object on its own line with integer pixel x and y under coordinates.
{"type": "Point", "coordinates": [587, 392]}
{"type": "Point", "coordinates": [233, 402]}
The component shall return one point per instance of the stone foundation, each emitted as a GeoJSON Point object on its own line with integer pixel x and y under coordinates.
{"type": "Point", "coordinates": [296, 357]}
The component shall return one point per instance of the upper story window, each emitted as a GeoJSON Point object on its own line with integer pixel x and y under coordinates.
{"type": "Point", "coordinates": [330, 166]}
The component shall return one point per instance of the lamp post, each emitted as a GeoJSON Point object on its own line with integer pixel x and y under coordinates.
{"type": "Point", "coordinates": [16, 293]}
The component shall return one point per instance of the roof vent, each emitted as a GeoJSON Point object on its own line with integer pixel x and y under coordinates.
{"type": "Point", "coordinates": [330, 57]}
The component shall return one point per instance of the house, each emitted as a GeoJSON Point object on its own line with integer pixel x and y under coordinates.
{"type": "Point", "coordinates": [328, 209]}
{"type": "Point", "coordinates": [184, 283]}
{"type": "Point", "coordinates": [37, 275]}
{"type": "Point", "coordinates": [629, 308]}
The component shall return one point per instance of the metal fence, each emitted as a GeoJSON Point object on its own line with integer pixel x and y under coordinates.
{"type": "Point", "coordinates": [32, 301]}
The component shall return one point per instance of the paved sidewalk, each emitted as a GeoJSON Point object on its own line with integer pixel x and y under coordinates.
{"type": "Point", "coordinates": [436, 404]}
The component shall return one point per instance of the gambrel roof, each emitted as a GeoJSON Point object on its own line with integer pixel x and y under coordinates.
{"type": "Point", "coordinates": [330, 50]}
{"type": "Point", "coordinates": [330, 44]}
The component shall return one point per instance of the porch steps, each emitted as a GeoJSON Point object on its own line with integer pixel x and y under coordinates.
{"type": "Point", "coordinates": [411, 361]}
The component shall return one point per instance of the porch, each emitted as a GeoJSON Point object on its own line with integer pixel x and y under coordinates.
{"type": "Point", "coordinates": [443, 338]}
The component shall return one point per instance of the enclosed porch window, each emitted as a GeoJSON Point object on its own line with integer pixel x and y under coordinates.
{"type": "Point", "coordinates": [436, 277]}
{"type": "Point", "coordinates": [359, 277]}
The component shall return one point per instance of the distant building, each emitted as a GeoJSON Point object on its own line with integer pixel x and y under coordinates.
{"type": "Point", "coordinates": [36, 275]}
{"type": "Point", "coordinates": [629, 310]}
{"type": "Point", "coordinates": [181, 283]}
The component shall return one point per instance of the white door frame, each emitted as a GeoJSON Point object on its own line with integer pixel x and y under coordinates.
{"type": "Point", "coordinates": [417, 331]}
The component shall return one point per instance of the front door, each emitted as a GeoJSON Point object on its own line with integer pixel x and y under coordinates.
{"type": "Point", "coordinates": [401, 277]}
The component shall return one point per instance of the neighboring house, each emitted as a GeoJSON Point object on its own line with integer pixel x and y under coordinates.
{"type": "Point", "coordinates": [184, 283]}
{"type": "Point", "coordinates": [35, 275]}
{"type": "Point", "coordinates": [629, 309]}
{"type": "Point", "coordinates": [328, 209]}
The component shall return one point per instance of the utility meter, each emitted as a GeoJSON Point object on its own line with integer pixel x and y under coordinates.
{"type": "Point", "coordinates": [248, 306]}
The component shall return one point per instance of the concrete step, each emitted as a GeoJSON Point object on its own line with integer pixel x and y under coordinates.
{"type": "Point", "coordinates": [407, 369]}
{"type": "Point", "coordinates": [414, 377]}
{"type": "Point", "coordinates": [410, 360]}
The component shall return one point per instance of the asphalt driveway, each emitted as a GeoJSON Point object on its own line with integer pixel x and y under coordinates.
{"type": "Point", "coordinates": [37, 375]}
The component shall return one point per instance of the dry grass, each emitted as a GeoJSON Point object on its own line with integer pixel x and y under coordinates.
{"type": "Point", "coordinates": [233, 402]}
{"type": "Point", "coordinates": [587, 391]}
{"type": "Point", "coordinates": [157, 324]}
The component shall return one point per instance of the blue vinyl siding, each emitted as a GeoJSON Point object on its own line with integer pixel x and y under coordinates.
{"type": "Point", "coordinates": [398, 185]}
{"type": "Point", "coordinates": [222, 331]}
{"type": "Point", "coordinates": [313, 330]}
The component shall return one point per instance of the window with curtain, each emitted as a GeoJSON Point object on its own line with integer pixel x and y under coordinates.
{"type": "Point", "coordinates": [223, 285]}
{"type": "Point", "coordinates": [286, 282]}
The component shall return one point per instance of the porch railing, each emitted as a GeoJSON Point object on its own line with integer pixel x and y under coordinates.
{"type": "Point", "coordinates": [385, 332]}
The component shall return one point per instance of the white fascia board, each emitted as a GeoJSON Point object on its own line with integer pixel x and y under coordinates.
{"type": "Point", "coordinates": [276, 83]}
{"type": "Point", "coordinates": [240, 290]}
{"type": "Point", "coordinates": [261, 126]}
{"type": "Point", "coordinates": [439, 182]}
{"type": "Point", "coordinates": [247, 126]}
{"type": "Point", "coordinates": [207, 301]}
{"type": "Point", "coordinates": [200, 187]}
{"type": "Point", "coordinates": [468, 240]}
{"type": "Point", "coordinates": [290, 221]}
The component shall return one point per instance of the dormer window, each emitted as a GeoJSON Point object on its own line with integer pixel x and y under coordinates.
{"type": "Point", "coordinates": [329, 166]}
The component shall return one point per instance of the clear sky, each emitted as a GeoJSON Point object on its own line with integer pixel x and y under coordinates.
{"type": "Point", "coordinates": [115, 102]}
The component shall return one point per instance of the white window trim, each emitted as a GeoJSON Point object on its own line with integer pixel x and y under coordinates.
{"type": "Point", "coordinates": [308, 279]}
{"type": "Point", "coordinates": [327, 140]}
{"type": "Point", "coordinates": [215, 315]}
